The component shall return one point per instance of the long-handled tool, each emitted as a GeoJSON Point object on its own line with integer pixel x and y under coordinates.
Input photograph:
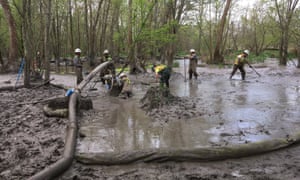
{"type": "Point", "coordinates": [20, 71]}
{"type": "Point", "coordinates": [184, 69]}
{"type": "Point", "coordinates": [293, 62]}
{"type": "Point", "coordinates": [255, 71]}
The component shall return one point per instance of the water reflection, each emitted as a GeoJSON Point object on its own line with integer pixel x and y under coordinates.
{"type": "Point", "coordinates": [234, 112]}
{"type": "Point", "coordinates": [134, 131]}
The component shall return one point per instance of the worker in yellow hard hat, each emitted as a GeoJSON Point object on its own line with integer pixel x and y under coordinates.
{"type": "Point", "coordinates": [163, 72]}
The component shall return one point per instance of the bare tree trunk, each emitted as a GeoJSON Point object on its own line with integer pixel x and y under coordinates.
{"type": "Point", "coordinates": [173, 13]}
{"type": "Point", "coordinates": [93, 33]}
{"type": "Point", "coordinates": [210, 34]}
{"type": "Point", "coordinates": [27, 37]}
{"type": "Point", "coordinates": [104, 26]}
{"type": "Point", "coordinates": [233, 37]}
{"type": "Point", "coordinates": [285, 12]}
{"type": "Point", "coordinates": [56, 37]}
{"type": "Point", "coordinates": [283, 52]}
{"type": "Point", "coordinates": [298, 55]}
{"type": "Point", "coordinates": [71, 25]}
{"type": "Point", "coordinates": [78, 44]}
{"type": "Point", "coordinates": [218, 57]}
{"type": "Point", "coordinates": [130, 49]}
{"type": "Point", "coordinates": [113, 25]}
{"type": "Point", "coordinates": [1, 62]}
{"type": "Point", "coordinates": [87, 34]}
{"type": "Point", "coordinates": [47, 39]}
{"type": "Point", "coordinates": [13, 49]}
{"type": "Point", "coordinates": [200, 24]}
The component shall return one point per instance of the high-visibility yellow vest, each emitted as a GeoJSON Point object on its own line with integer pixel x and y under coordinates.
{"type": "Point", "coordinates": [126, 79]}
{"type": "Point", "coordinates": [240, 60]}
{"type": "Point", "coordinates": [159, 68]}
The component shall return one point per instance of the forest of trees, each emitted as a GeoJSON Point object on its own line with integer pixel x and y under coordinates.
{"type": "Point", "coordinates": [144, 30]}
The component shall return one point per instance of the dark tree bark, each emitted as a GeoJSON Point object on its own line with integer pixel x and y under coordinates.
{"type": "Point", "coordinates": [1, 60]}
{"type": "Point", "coordinates": [47, 39]}
{"type": "Point", "coordinates": [218, 57]}
{"type": "Point", "coordinates": [298, 55]}
{"type": "Point", "coordinates": [93, 34]}
{"type": "Point", "coordinates": [27, 37]}
{"type": "Point", "coordinates": [13, 49]}
{"type": "Point", "coordinates": [71, 25]}
{"type": "Point", "coordinates": [86, 27]}
{"type": "Point", "coordinates": [174, 10]}
{"type": "Point", "coordinates": [56, 36]}
{"type": "Point", "coordinates": [104, 25]}
{"type": "Point", "coordinates": [130, 49]}
{"type": "Point", "coordinates": [285, 12]}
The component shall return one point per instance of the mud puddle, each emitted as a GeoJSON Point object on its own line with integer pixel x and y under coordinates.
{"type": "Point", "coordinates": [214, 112]}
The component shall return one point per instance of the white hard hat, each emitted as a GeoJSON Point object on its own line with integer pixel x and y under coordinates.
{"type": "Point", "coordinates": [192, 50]}
{"type": "Point", "coordinates": [246, 51]}
{"type": "Point", "coordinates": [122, 75]}
{"type": "Point", "coordinates": [105, 51]}
{"type": "Point", "coordinates": [77, 50]}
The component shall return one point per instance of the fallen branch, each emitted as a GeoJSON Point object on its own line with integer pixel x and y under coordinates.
{"type": "Point", "coordinates": [40, 101]}
{"type": "Point", "coordinates": [46, 82]}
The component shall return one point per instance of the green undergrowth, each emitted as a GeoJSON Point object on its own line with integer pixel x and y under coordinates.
{"type": "Point", "coordinates": [253, 58]}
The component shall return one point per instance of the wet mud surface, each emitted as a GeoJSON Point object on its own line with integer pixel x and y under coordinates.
{"type": "Point", "coordinates": [209, 112]}
{"type": "Point", "coordinates": [220, 112]}
{"type": "Point", "coordinates": [30, 140]}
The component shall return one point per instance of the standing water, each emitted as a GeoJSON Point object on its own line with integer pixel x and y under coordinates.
{"type": "Point", "coordinates": [233, 112]}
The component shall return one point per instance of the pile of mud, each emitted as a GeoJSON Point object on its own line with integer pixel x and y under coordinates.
{"type": "Point", "coordinates": [158, 102]}
{"type": "Point", "coordinates": [157, 97]}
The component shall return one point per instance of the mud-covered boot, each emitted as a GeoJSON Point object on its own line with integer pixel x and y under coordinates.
{"type": "Point", "coordinates": [243, 76]}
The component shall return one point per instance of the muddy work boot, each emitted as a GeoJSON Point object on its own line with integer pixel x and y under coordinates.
{"type": "Point", "coordinates": [243, 75]}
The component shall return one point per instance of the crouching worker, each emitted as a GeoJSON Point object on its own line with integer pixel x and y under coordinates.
{"type": "Point", "coordinates": [162, 72]}
{"type": "Point", "coordinates": [126, 91]}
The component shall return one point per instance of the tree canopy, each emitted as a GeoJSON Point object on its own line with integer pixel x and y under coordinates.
{"type": "Point", "coordinates": [144, 31]}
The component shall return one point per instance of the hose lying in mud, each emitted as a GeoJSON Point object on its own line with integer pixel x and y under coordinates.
{"type": "Point", "coordinates": [196, 154]}
{"type": "Point", "coordinates": [11, 88]}
{"type": "Point", "coordinates": [63, 164]}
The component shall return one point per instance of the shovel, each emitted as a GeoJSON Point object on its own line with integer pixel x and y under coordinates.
{"type": "Point", "coordinates": [255, 71]}
{"type": "Point", "coordinates": [184, 70]}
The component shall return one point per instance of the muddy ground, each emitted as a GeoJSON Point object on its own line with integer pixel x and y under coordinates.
{"type": "Point", "coordinates": [30, 141]}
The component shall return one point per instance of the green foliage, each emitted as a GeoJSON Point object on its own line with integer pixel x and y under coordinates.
{"type": "Point", "coordinates": [292, 55]}
{"type": "Point", "coordinates": [175, 64]}
{"type": "Point", "coordinates": [252, 58]}
{"type": "Point", "coordinates": [4, 36]}
{"type": "Point", "coordinates": [152, 32]}
{"type": "Point", "coordinates": [125, 69]}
